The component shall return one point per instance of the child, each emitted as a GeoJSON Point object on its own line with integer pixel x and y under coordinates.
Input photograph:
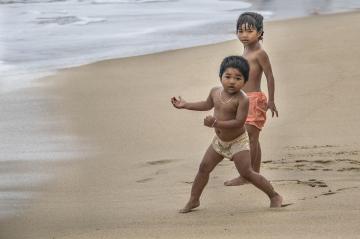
{"type": "Point", "coordinates": [231, 140]}
{"type": "Point", "coordinates": [250, 31]}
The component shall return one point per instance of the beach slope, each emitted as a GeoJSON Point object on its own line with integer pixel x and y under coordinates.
{"type": "Point", "coordinates": [144, 153]}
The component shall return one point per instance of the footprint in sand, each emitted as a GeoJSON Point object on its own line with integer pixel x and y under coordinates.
{"type": "Point", "coordinates": [317, 196]}
{"type": "Point", "coordinates": [323, 161]}
{"type": "Point", "coordinates": [159, 171]}
{"type": "Point", "coordinates": [310, 182]}
{"type": "Point", "coordinates": [343, 189]}
{"type": "Point", "coordinates": [144, 180]}
{"type": "Point", "coordinates": [317, 157]}
{"type": "Point", "coordinates": [188, 182]}
{"type": "Point", "coordinates": [314, 183]}
{"type": "Point", "coordinates": [160, 162]}
{"type": "Point", "coordinates": [349, 169]}
{"type": "Point", "coordinates": [328, 193]}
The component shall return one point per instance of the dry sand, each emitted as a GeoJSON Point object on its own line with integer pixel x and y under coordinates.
{"type": "Point", "coordinates": [142, 154]}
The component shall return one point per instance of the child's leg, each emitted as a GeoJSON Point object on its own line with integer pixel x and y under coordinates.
{"type": "Point", "coordinates": [255, 149]}
{"type": "Point", "coordinates": [243, 164]}
{"type": "Point", "coordinates": [208, 163]}
{"type": "Point", "coordinates": [255, 152]}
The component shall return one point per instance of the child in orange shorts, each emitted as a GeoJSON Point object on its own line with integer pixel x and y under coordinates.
{"type": "Point", "coordinates": [257, 109]}
{"type": "Point", "coordinates": [250, 31]}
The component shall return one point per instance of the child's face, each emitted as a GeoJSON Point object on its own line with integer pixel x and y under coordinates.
{"type": "Point", "coordinates": [248, 35]}
{"type": "Point", "coordinates": [232, 80]}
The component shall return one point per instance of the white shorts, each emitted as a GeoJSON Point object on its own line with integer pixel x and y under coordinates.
{"type": "Point", "coordinates": [230, 148]}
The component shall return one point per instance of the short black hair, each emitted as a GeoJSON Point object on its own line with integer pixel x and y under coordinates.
{"type": "Point", "coordinates": [252, 19]}
{"type": "Point", "coordinates": [237, 62]}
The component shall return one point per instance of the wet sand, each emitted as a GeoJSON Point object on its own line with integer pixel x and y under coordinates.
{"type": "Point", "coordinates": [133, 157]}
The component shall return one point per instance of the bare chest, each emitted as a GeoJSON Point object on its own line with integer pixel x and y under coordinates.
{"type": "Point", "coordinates": [253, 61]}
{"type": "Point", "coordinates": [225, 108]}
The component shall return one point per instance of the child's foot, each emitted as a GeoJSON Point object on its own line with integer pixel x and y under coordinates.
{"type": "Point", "coordinates": [276, 201]}
{"type": "Point", "coordinates": [190, 206]}
{"type": "Point", "coordinates": [236, 181]}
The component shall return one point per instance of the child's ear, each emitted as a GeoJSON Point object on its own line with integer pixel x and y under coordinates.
{"type": "Point", "coordinates": [259, 33]}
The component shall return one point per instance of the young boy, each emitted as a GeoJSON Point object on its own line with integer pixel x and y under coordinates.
{"type": "Point", "coordinates": [250, 31]}
{"type": "Point", "coordinates": [231, 140]}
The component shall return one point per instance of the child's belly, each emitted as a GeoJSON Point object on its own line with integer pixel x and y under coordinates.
{"type": "Point", "coordinates": [229, 134]}
{"type": "Point", "coordinates": [251, 87]}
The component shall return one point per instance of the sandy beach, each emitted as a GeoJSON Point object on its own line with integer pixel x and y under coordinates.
{"type": "Point", "coordinates": [138, 155]}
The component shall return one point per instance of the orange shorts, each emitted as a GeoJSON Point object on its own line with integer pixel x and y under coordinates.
{"type": "Point", "coordinates": [257, 109]}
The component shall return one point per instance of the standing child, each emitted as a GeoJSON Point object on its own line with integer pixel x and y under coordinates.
{"type": "Point", "coordinates": [231, 140]}
{"type": "Point", "coordinates": [250, 31]}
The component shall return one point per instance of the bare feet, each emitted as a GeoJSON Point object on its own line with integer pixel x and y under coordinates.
{"type": "Point", "coordinates": [190, 206]}
{"type": "Point", "coordinates": [236, 181]}
{"type": "Point", "coordinates": [276, 201]}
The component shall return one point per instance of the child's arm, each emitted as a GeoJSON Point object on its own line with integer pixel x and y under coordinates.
{"type": "Point", "coordinates": [206, 105]}
{"type": "Point", "coordinates": [266, 65]}
{"type": "Point", "coordinates": [238, 122]}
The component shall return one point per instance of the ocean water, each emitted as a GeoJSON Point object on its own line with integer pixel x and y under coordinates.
{"type": "Point", "coordinates": [37, 37]}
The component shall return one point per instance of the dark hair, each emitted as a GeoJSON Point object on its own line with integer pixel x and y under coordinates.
{"type": "Point", "coordinates": [252, 19]}
{"type": "Point", "coordinates": [237, 62]}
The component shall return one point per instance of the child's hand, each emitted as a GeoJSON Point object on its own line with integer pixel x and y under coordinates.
{"type": "Point", "coordinates": [178, 103]}
{"type": "Point", "coordinates": [209, 121]}
{"type": "Point", "coordinates": [272, 107]}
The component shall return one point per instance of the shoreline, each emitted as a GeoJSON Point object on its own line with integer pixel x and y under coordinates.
{"type": "Point", "coordinates": [142, 154]}
{"type": "Point", "coordinates": [268, 21]}
{"type": "Point", "coordinates": [30, 78]}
